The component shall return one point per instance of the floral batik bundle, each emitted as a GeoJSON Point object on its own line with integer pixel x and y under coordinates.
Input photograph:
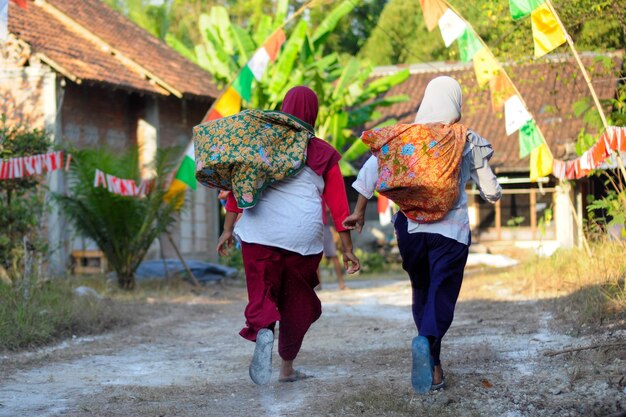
{"type": "Point", "coordinates": [418, 166]}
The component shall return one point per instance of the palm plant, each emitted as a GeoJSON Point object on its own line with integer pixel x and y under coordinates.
{"type": "Point", "coordinates": [122, 227]}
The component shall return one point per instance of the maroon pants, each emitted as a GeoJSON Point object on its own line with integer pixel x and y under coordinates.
{"type": "Point", "coordinates": [280, 288]}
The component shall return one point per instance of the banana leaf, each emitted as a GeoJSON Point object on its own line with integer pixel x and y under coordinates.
{"type": "Point", "coordinates": [281, 70]}
{"type": "Point", "coordinates": [330, 22]}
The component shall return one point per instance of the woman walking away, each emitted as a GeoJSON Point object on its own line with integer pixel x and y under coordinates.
{"type": "Point", "coordinates": [426, 177]}
{"type": "Point", "coordinates": [282, 241]}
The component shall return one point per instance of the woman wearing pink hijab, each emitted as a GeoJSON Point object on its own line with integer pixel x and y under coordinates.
{"type": "Point", "coordinates": [282, 242]}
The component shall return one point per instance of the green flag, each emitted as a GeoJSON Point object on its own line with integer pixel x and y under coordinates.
{"type": "Point", "coordinates": [529, 138]}
{"type": "Point", "coordinates": [469, 44]}
{"type": "Point", "coordinates": [521, 8]}
{"type": "Point", "coordinates": [243, 83]}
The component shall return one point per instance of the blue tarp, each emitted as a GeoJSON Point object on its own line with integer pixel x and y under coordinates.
{"type": "Point", "coordinates": [203, 271]}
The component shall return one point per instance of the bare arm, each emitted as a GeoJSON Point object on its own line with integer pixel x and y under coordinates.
{"type": "Point", "coordinates": [350, 261]}
{"type": "Point", "coordinates": [226, 239]}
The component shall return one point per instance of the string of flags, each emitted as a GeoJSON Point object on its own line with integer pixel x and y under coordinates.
{"type": "Point", "coordinates": [120, 186]}
{"type": "Point", "coordinates": [227, 104]}
{"type": "Point", "coordinates": [240, 89]}
{"type": "Point", "coordinates": [26, 166]}
{"type": "Point", "coordinates": [548, 34]}
{"type": "Point", "coordinates": [613, 139]}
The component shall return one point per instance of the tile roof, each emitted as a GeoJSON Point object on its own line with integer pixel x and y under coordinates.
{"type": "Point", "coordinates": [87, 41]}
{"type": "Point", "coordinates": [549, 88]}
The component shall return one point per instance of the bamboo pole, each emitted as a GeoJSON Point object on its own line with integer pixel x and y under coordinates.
{"type": "Point", "coordinates": [581, 235]}
{"type": "Point", "coordinates": [192, 277]}
{"type": "Point", "coordinates": [570, 42]}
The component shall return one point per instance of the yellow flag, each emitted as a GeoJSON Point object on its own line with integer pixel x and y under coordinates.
{"type": "Point", "coordinates": [540, 162]}
{"type": "Point", "coordinates": [229, 103]}
{"type": "Point", "coordinates": [547, 33]}
{"type": "Point", "coordinates": [486, 66]}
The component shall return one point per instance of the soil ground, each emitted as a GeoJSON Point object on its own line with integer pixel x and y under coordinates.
{"type": "Point", "coordinates": [188, 360]}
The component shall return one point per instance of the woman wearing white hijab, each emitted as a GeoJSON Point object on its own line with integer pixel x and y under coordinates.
{"type": "Point", "coordinates": [434, 254]}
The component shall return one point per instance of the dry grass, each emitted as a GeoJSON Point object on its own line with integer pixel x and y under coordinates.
{"type": "Point", "coordinates": [586, 290]}
{"type": "Point", "coordinates": [52, 311]}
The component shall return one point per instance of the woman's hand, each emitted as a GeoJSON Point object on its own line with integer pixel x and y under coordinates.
{"type": "Point", "coordinates": [350, 262]}
{"type": "Point", "coordinates": [355, 221]}
{"type": "Point", "coordinates": [225, 242]}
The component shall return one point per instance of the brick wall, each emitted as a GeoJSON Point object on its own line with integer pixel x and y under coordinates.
{"type": "Point", "coordinates": [93, 116]}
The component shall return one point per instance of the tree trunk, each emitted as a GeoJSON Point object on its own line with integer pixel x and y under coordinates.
{"type": "Point", "coordinates": [126, 281]}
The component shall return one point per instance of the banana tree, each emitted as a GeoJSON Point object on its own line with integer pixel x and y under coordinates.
{"type": "Point", "coordinates": [347, 99]}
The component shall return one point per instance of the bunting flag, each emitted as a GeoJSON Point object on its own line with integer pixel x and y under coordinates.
{"type": "Point", "coordinates": [547, 33]}
{"type": "Point", "coordinates": [522, 8]}
{"type": "Point", "coordinates": [613, 139]}
{"type": "Point", "coordinates": [227, 104]}
{"type": "Point", "coordinates": [384, 210]}
{"type": "Point", "coordinates": [486, 66]}
{"type": "Point", "coordinates": [468, 44]}
{"type": "Point", "coordinates": [432, 11]}
{"type": "Point", "coordinates": [540, 162]}
{"type": "Point", "coordinates": [21, 3]}
{"type": "Point", "coordinates": [501, 90]}
{"type": "Point", "coordinates": [241, 87]}
{"type": "Point", "coordinates": [451, 27]}
{"type": "Point", "coordinates": [515, 114]}
{"type": "Point", "coordinates": [4, 20]}
{"type": "Point", "coordinates": [120, 186]}
{"type": "Point", "coordinates": [26, 166]}
{"type": "Point", "coordinates": [529, 138]}
{"type": "Point", "coordinates": [185, 176]}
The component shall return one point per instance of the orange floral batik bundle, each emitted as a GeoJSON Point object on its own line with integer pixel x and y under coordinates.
{"type": "Point", "coordinates": [418, 166]}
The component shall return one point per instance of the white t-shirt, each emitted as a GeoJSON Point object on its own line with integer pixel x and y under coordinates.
{"type": "Point", "coordinates": [288, 215]}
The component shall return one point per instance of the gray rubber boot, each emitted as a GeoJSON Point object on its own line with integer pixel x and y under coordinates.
{"type": "Point", "coordinates": [261, 365]}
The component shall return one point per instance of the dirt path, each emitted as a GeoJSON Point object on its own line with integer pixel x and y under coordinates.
{"type": "Point", "coordinates": [190, 361]}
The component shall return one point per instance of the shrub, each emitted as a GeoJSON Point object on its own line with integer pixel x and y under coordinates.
{"type": "Point", "coordinates": [21, 201]}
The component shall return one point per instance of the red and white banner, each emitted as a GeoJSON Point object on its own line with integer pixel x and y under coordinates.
{"type": "Point", "coordinates": [120, 186]}
{"type": "Point", "coordinates": [26, 166]}
{"type": "Point", "coordinates": [613, 139]}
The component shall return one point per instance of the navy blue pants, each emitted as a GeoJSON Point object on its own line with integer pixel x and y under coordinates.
{"type": "Point", "coordinates": [435, 264]}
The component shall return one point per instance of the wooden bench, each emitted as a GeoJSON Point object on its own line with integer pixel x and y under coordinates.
{"type": "Point", "coordinates": [89, 262]}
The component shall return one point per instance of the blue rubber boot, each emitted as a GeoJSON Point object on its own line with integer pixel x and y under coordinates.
{"type": "Point", "coordinates": [422, 371]}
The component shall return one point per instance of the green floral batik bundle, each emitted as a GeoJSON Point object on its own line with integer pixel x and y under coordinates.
{"type": "Point", "coordinates": [250, 150]}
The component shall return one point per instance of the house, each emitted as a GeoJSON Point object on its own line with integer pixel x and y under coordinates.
{"type": "Point", "coordinates": [548, 209]}
{"type": "Point", "coordinates": [91, 77]}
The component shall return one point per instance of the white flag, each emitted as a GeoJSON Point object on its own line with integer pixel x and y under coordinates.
{"type": "Point", "coordinates": [515, 114]}
{"type": "Point", "coordinates": [451, 27]}
{"type": "Point", "coordinates": [258, 63]}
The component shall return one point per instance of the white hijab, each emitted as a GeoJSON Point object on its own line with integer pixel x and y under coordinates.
{"type": "Point", "coordinates": [442, 102]}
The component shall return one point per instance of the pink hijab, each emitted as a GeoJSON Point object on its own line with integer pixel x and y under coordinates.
{"type": "Point", "coordinates": [302, 103]}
